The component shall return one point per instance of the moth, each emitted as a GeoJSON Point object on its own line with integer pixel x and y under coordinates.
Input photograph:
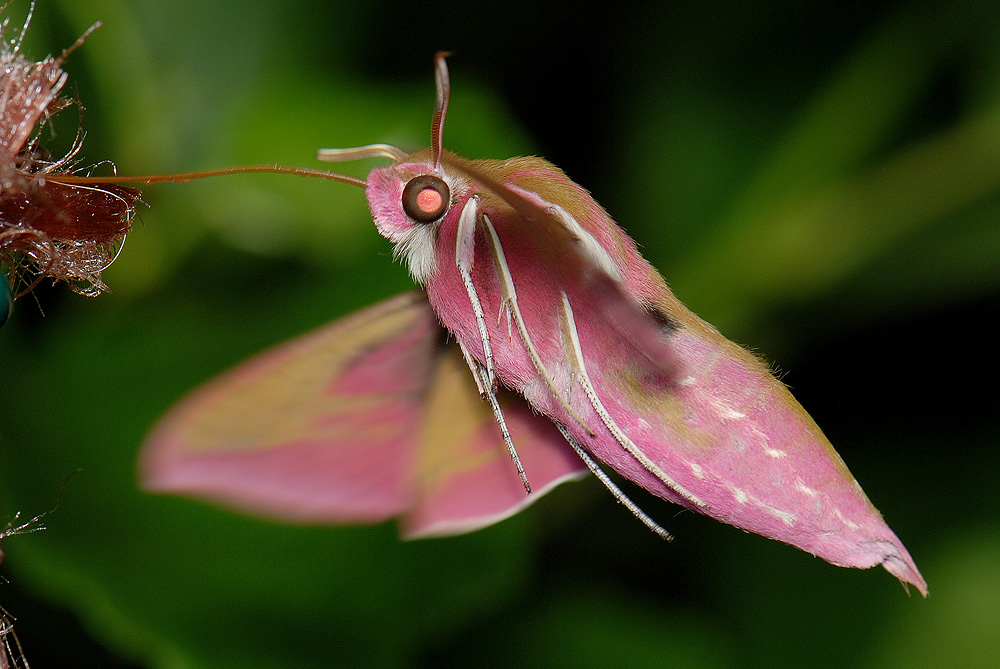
{"type": "Point", "coordinates": [540, 346]}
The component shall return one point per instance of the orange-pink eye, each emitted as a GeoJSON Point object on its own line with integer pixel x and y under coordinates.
{"type": "Point", "coordinates": [426, 198]}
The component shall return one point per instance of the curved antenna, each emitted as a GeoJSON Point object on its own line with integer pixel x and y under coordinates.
{"type": "Point", "coordinates": [191, 176]}
{"type": "Point", "coordinates": [441, 106]}
{"type": "Point", "coordinates": [361, 152]}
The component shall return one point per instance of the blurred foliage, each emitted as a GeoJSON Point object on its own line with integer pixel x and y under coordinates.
{"type": "Point", "coordinates": [820, 181]}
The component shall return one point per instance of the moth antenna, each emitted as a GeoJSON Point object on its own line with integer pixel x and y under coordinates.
{"type": "Point", "coordinates": [361, 152]}
{"type": "Point", "coordinates": [182, 177]}
{"type": "Point", "coordinates": [509, 295]}
{"type": "Point", "coordinates": [619, 495]}
{"type": "Point", "coordinates": [440, 106]}
{"type": "Point", "coordinates": [576, 359]}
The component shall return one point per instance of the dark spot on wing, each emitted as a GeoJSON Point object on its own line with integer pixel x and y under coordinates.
{"type": "Point", "coordinates": [667, 323]}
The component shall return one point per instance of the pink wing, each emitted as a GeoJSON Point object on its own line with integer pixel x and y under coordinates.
{"type": "Point", "coordinates": [371, 417]}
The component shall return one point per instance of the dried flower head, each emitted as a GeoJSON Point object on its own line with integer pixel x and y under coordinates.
{"type": "Point", "coordinates": [65, 231]}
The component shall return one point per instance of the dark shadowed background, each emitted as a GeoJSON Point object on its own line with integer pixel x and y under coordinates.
{"type": "Point", "coordinates": [822, 184]}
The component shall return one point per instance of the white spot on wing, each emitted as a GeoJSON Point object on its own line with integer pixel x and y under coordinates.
{"type": "Point", "coordinates": [764, 439]}
{"type": "Point", "coordinates": [845, 521]}
{"type": "Point", "coordinates": [804, 489]}
{"type": "Point", "coordinates": [787, 517]}
{"type": "Point", "coordinates": [724, 411]}
{"type": "Point", "coordinates": [698, 471]}
{"type": "Point", "coordinates": [728, 413]}
{"type": "Point", "coordinates": [740, 495]}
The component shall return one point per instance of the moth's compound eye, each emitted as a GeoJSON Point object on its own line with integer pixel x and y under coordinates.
{"type": "Point", "coordinates": [426, 198]}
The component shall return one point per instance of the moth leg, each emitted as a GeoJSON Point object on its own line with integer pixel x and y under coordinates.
{"type": "Point", "coordinates": [575, 354]}
{"type": "Point", "coordinates": [596, 470]}
{"type": "Point", "coordinates": [482, 383]}
{"type": "Point", "coordinates": [505, 311]}
{"type": "Point", "coordinates": [491, 397]}
{"type": "Point", "coordinates": [465, 253]}
{"type": "Point", "coordinates": [488, 393]}
{"type": "Point", "coordinates": [510, 299]}
{"type": "Point", "coordinates": [483, 374]}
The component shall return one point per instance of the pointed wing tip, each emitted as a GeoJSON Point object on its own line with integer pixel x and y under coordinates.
{"type": "Point", "coordinates": [903, 568]}
{"type": "Point", "coordinates": [886, 550]}
{"type": "Point", "coordinates": [895, 559]}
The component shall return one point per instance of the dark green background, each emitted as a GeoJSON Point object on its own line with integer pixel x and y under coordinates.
{"type": "Point", "coordinates": [821, 183]}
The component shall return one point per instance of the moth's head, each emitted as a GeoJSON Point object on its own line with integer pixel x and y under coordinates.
{"type": "Point", "coordinates": [409, 202]}
{"type": "Point", "coordinates": [410, 198]}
